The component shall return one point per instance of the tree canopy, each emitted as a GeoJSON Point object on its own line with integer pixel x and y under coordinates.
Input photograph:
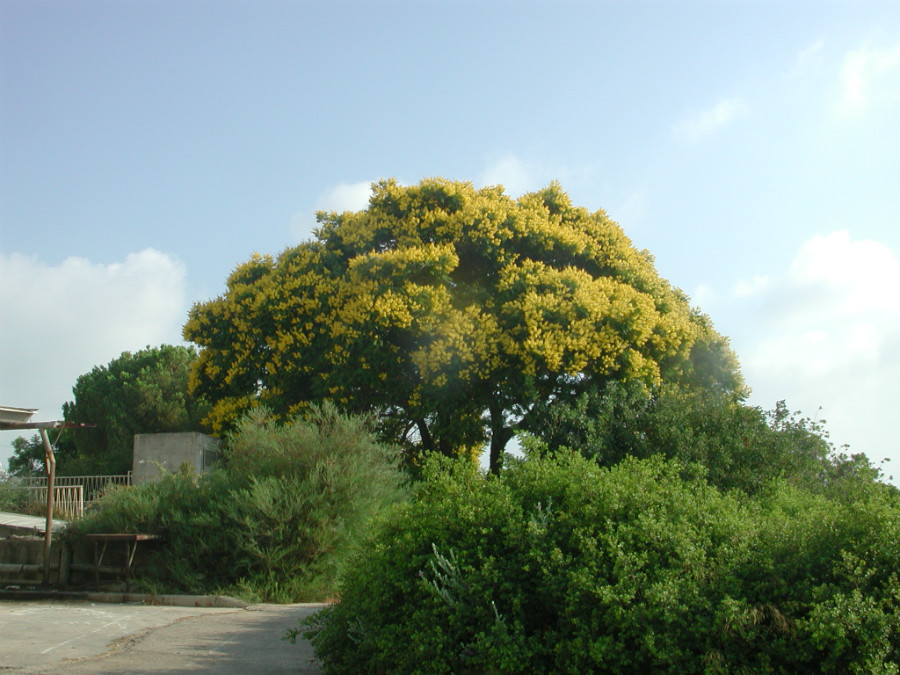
{"type": "Point", "coordinates": [739, 446]}
{"type": "Point", "coordinates": [450, 312]}
{"type": "Point", "coordinates": [27, 458]}
{"type": "Point", "coordinates": [141, 392]}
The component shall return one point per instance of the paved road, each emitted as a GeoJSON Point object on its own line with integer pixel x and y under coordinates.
{"type": "Point", "coordinates": [85, 637]}
{"type": "Point", "coordinates": [36, 524]}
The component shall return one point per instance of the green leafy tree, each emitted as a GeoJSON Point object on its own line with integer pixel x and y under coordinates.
{"type": "Point", "coordinates": [143, 392]}
{"type": "Point", "coordinates": [739, 446]}
{"type": "Point", "coordinates": [450, 313]}
{"type": "Point", "coordinates": [27, 458]}
{"type": "Point", "coordinates": [28, 454]}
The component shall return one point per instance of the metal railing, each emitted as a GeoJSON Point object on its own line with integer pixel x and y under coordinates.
{"type": "Point", "coordinates": [68, 500]}
{"type": "Point", "coordinates": [92, 486]}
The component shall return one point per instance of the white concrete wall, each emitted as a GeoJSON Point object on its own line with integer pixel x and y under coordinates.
{"type": "Point", "coordinates": [155, 454]}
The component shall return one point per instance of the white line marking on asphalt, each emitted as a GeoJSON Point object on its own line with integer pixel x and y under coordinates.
{"type": "Point", "coordinates": [78, 637]}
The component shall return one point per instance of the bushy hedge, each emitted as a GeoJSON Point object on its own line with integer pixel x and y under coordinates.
{"type": "Point", "coordinates": [742, 447]}
{"type": "Point", "coordinates": [275, 523]}
{"type": "Point", "coordinates": [561, 566]}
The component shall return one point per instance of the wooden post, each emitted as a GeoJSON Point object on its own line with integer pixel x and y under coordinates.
{"type": "Point", "coordinates": [50, 466]}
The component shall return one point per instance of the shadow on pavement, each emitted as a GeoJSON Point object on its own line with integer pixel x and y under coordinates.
{"type": "Point", "coordinates": [235, 642]}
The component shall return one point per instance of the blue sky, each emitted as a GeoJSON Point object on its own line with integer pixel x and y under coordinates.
{"type": "Point", "coordinates": [146, 148]}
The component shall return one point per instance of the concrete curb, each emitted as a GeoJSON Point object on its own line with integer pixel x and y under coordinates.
{"type": "Point", "coordinates": [129, 598]}
{"type": "Point", "coordinates": [173, 600]}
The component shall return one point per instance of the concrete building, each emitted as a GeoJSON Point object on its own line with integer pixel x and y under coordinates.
{"type": "Point", "coordinates": [157, 454]}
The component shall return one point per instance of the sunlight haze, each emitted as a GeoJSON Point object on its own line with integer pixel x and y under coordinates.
{"type": "Point", "coordinates": [147, 148]}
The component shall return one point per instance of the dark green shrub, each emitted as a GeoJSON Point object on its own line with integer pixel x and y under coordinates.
{"type": "Point", "coordinates": [741, 446]}
{"type": "Point", "coordinates": [307, 491]}
{"type": "Point", "coordinates": [200, 551]}
{"type": "Point", "coordinates": [561, 566]}
{"type": "Point", "coordinates": [12, 498]}
{"type": "Point", "coordinates": [275, 523]}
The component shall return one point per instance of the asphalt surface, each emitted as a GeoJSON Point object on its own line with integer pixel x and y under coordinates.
{"type": "Point", "coordinates": [35, 524]}
{"type": "Point", "coordinates": [89, 637]}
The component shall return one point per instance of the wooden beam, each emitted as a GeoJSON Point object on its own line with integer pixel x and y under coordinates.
{"type": "Point", "coordinates": [50, 466]}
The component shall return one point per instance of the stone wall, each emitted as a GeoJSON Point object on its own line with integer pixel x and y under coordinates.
{"type": "Point", "coordinates": [22, 561]}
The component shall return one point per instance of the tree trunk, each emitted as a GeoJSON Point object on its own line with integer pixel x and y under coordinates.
{"type": "Point", "coordinates": [50, 466]}
{"type": "Point", "coordinates": [500, 435]}
{"type": "Point", "coordinates": [440, 444]}
{"type": "Point", "coordinates": [425, 435]}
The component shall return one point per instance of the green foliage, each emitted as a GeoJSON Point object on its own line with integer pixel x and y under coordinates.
{"type": "Point", "coordinates": [740, 446]}
{"type": "Point", "coordinates": [276, 523]}
{"type": "Point", "coordinates": [28, 457]}
{"type": "Point", "coordinates": [144, 392]}
{"type": "Point", "coordinates": [12, 498]}
{"type": "Point", "coordinates": [560, 565]}
{"type": "Point", "coordinates": [451, 313]}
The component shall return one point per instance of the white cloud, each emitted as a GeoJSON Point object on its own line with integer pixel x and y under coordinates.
{"type": "Point", "coordinates": [584, 181]}
{"type": "Point", "coordinates": [835, 309]}
{"type": "Point", "coordinates": [826, 332]}
{"type": "Point", "coordinates": [704, 295]}
{"type": "Point", "coordinates": [746, 288]}
{"type": "Point", "coordinates": [698, 125]}
{"type": "Point", "coordinates": [516, 175]}
{"type": "Point", "coordinates": [340, 198]}
{"type": "Point", "coordinates": [870, 75]}
{"type": "Point", "coordinates": [630, 210]}
{"type": "Point", "coordinates": [346, 197]}
{"type": "Point", "coordinates": [60, 321]}
{"type": "Point", "coordinates": [806, 57]}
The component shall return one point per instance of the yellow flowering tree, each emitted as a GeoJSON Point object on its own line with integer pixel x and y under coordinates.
{"type": "Point", "coordinates": [450, 313]}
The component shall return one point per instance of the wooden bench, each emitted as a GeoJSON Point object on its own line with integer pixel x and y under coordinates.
{"type": "Point", "coordinates": [129, 540]}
